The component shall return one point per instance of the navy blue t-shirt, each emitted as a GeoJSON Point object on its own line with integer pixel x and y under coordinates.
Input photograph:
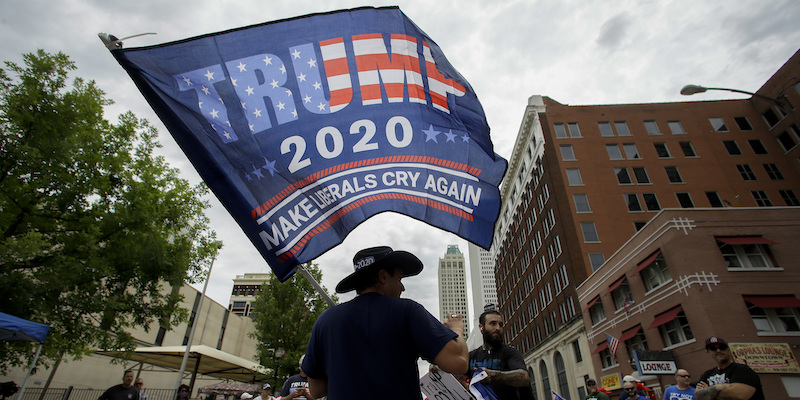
{"type": "Point", "coordinates": [368, 347]}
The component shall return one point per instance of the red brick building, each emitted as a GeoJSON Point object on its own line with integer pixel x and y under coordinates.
{"type": "Point", "coordinates": [582, 180]}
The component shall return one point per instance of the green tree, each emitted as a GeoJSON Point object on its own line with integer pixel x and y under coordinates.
{"type": "Point", "coordinates": [95, 227]}
{"type": "Point", "coordinates": [284, 315]}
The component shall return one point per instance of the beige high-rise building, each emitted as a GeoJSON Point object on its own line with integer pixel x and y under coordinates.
{"type": "Point", "coordinates": [453, 286]}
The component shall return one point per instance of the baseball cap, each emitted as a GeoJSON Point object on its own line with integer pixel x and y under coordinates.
{"type": "Point", "coordinates": [590, 382]}
{"type": "Point", "coordinates": [716, 340]}
{"type": "Point", "coordinates": [266, 386]}
{"type": "Point", "coordinates": [629, 378]}
{"type": "Point", "coordinates": [246, 396]}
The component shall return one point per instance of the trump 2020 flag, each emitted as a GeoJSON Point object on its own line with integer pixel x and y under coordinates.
{"type": "Point", "coordinates": [306, 127]}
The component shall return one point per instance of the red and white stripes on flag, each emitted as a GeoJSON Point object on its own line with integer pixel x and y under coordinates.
{"type": "Point", "coordinates": [613, 344]}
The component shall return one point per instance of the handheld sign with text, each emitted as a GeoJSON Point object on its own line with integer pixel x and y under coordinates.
{"type": "Point", "coordinates": [306, 127]}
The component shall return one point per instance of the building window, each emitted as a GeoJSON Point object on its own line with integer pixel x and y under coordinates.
{"type": "Point", "coordinates": [662, 150]}
{"type": "Point", "coordinates": [632, 200]}
{"type": "Point", "coordinates": [652, 128]}
{"type": "Point", "coordinates": [746, 172]}
{"type": "Point", "coordinates": [761, 198]}
{"type": "Point", "coordinates": [773, 172]}
{"type": "Point", "coordinates": [576, 348]}
{"type": "Point", "coordinates": [787, 141]}
{"type": "Point", "coordinates": [589, 232]}
{"type": "Point", "coordinates": [772, 118]}
{"type": "Point", "coordinates": [676, 128]}
{"type": "Point", "coordinates": [574, 177]}
{"type": "Point", "coordinates": [743, 123]}
{"type": "Point", "coordinates": [638, 225]}
{"type": "Point", "coordinates": [613, 152]}
{"type": "Point", "coordinates": [622, 295]}
{"type": "Point", "coordinates": [714, 199]}
{"type": "Point", "coordinates": [651, 201]}
{"type": "Point", "coordinates": [688, 150]}
{"type": "Point", "coordinates": [641, 175]}
{"type": "Point", "coordinates": [622, 128]}
{"type": "Point", "coordinates": [623, 177]}
{"type": "Point", "coordinates": [567, 154]}
{"type": "Point", "coordinates": [596, 260]}
{"type": "Point", "coordinates": [561, 376]}
{"type": "Point", "coordinates": [774, 319]}
{"type": "Point", "coordinates": [655, 274]}
{"type": "Point", "coordinates": [574, 132]}
{"type": "Point", "coordinates": [676, 331]}
{"type": "Point", "coordinates": [673, 175]}
{"type": "Point", "coordinates": [596, 312]}
{"type": "Point", "coordinates": [718, 124]}
{"type": "Point", "coordinates": [635, 341]}
{"type": "Point", "coordinates": [631, 152]}
{"type": "Point", "coordinates": [685, 200]}
{"type": "Point", "coordinates": [732, 147]}
{"type": "Point", "coordinates": [757, 146]}
{"type": "Point", "coordinates": [581, 203]}
{"type": "Point", "coordinates": [607, 359]}
{"type": "Point", "coordinates": [789, 198]}
{"type": "Point", "coordinates": [561, 133]}
{"type": "Point", "coordinates": [605, 129]}
{"type": "Point", "coordinates": [753, 255]}
{"type": "Point", "coordinates": [545, 379]}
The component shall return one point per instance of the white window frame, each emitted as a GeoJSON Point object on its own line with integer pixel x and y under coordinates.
{"type": "Point", "coordinates": [771, 320]}
{"type": "Point", "coordinates": [747, 256]}
{"type": "Point", "coordinates": [680, 326]}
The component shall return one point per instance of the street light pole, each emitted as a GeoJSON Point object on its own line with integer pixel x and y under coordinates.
{"type": "Point", "coordinates": [194, 325]}
{"type": "Point", "coordinates": [689, 90]}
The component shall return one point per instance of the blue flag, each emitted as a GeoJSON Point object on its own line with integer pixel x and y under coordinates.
{"type": "Point", "coordinates": [306, 127]}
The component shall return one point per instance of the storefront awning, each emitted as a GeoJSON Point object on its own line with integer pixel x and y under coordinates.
{"type": "Point", "coordinates": [734, 240]}
{"type": "Point", "coordinates": [630, 333]}
{"type": "Point", "coordinates": [615, 285]}
{"type": "Point", "coordinates": [647, 261]}
{"type": "Point", "coordinates": [600, 348]}
{"type": "Point", "coordinates": [591, 303]}
{"type": "Point", "coordinates": [774, 301]}
{"type": "Point", "coordinates": [663, 318]}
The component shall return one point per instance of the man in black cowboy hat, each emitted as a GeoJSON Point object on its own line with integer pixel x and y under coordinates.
{"type": "Point", "coordinates": [728, 380]}
{"type": "Point", "coordinates": [368, 347]}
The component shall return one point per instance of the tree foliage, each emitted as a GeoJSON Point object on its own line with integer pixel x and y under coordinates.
{"type": "Point", "coordinates": [95, 227]}
{"type": "Point", "coordinates": [285, 312]}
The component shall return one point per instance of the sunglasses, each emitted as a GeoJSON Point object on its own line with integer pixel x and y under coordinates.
{"type": "Point", "coordinates": [629, 389]}
{"type": "Point", "coordinates": [715, 347]}
{"type": "Point", "coordinates": [684, 376]}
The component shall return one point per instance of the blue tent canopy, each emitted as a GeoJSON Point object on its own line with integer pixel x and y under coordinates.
{"type": "Point", "coordinates": [15, 328]}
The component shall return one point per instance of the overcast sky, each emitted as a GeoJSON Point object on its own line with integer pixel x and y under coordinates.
{"type": "Point", "coordinates": [577, 52]}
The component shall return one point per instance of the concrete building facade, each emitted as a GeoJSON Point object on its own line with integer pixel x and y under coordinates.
{"type": "Point", "coordinates": [217, 327]}
{"type": "Point", "coordinates": [245, 289]}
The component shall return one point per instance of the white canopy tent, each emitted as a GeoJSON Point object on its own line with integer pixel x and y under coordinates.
{"type": "Point", "coordinates": [202, 360]}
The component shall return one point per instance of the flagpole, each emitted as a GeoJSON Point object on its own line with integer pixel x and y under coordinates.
{"type": "Point", "coordinates": [316, 285]}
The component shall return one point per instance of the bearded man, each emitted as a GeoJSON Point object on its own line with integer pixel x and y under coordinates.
{"type": "Point", "coordinates": [505, 366]}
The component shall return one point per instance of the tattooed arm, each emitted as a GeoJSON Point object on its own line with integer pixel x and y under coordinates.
{"type": "Point", "coordinates": [724, 391]}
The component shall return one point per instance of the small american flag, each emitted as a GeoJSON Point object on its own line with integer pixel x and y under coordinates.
{"type": "Point", "coordinates": [556, 396]}
{"type": "Point", "coordinates": [613, 344]}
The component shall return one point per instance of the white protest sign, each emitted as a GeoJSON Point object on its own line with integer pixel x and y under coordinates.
{"type": "Point", "coordinates": [443, 386]}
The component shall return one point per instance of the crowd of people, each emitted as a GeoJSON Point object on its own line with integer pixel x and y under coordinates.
{"type": "Point", "coordinates": [368, 348]}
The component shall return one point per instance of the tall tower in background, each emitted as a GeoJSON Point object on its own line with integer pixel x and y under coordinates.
{"type": "Point", "coordinates": [453, 286]}
{"type": "Point", "coordinates": [484, 288]}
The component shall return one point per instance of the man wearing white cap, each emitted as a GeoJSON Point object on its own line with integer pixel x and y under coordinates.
{"type": "Point", "coordinates": [368, 347]}
{"type": "Point", "coordinates": [629, 378]}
